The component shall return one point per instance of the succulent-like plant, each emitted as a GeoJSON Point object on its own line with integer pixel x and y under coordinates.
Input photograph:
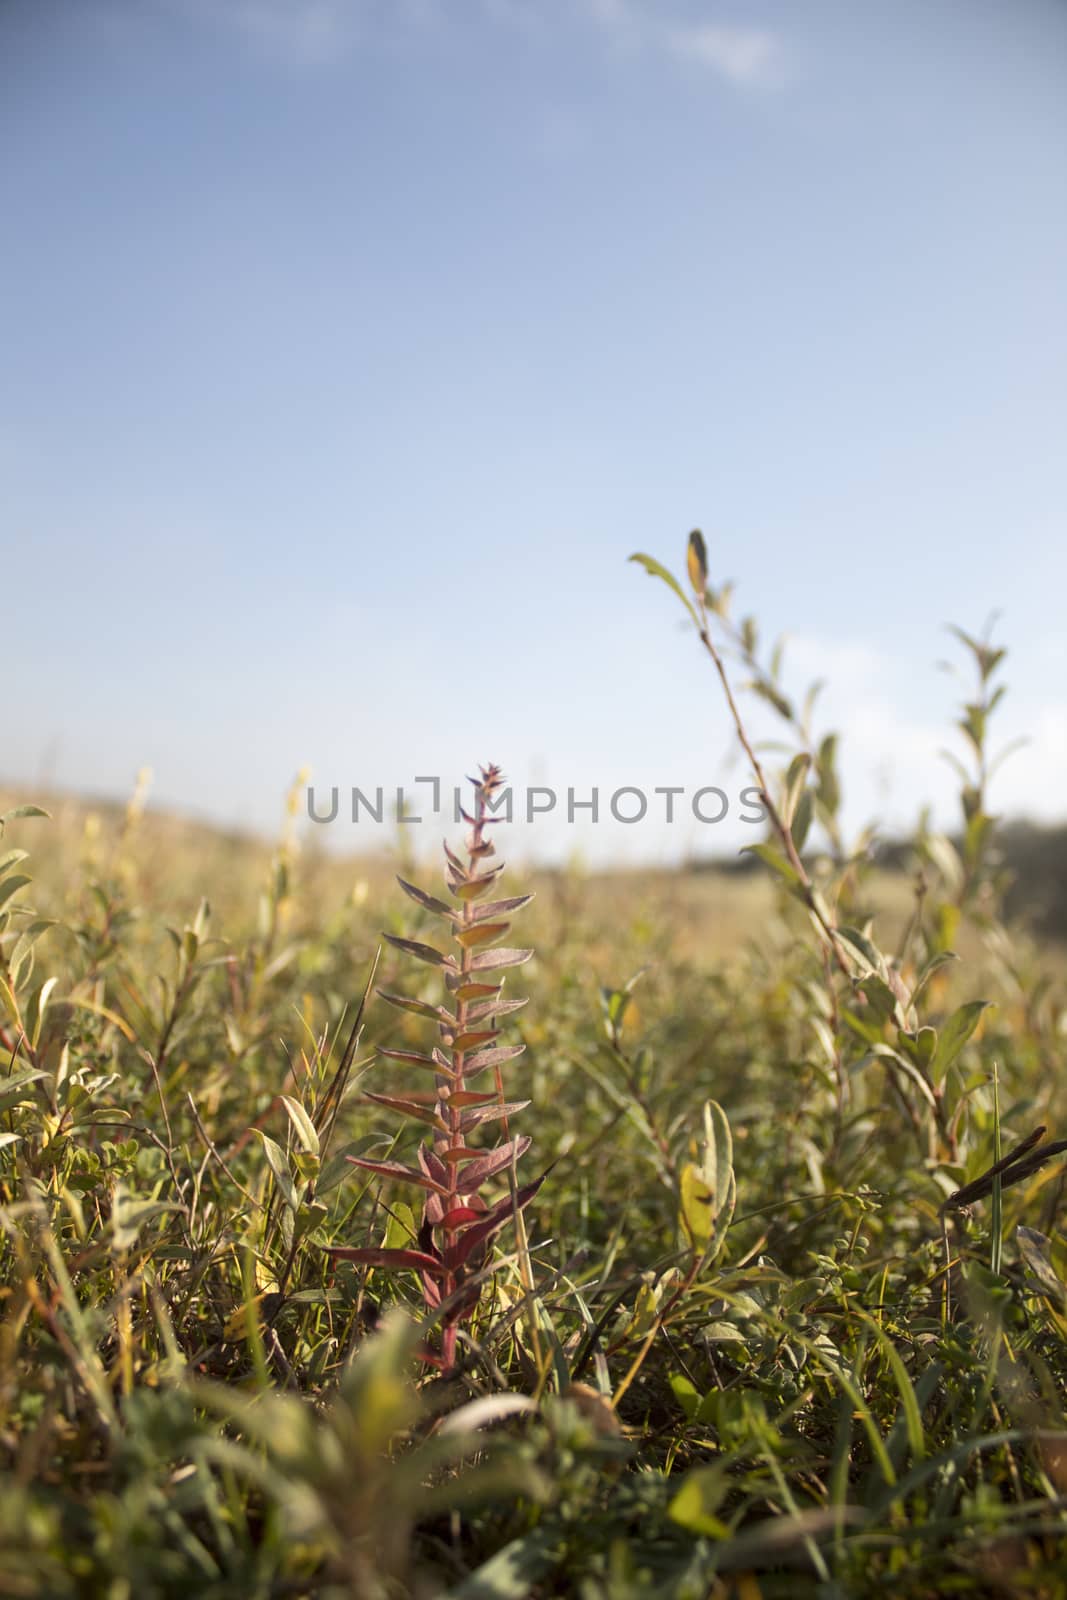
{"type": "Point", "coordinates": [458, 1223]}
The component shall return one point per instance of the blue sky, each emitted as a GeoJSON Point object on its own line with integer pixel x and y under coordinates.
{"type": "Point", "coordinates": [350, 348]}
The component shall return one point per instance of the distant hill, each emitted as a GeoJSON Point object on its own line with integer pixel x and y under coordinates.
{"type": "Point", "coordinates": [1034, 857]}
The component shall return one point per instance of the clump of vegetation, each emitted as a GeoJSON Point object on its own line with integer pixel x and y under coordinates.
{"type": "Point", "coordinates": [789, 1316]}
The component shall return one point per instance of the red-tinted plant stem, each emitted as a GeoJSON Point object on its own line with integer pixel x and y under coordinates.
{"type": "Point", "coordinates": [448, 1332]}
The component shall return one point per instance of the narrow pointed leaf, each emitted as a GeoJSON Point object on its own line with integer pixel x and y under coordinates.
{"type": "Point", "coordinates": [459, 1216]}
{"type": "Point", "coordinates": [479, 1114]}
{"type": "Point", "coordinates": [24, 811]}
{"type": "Point", "coordinates": [656, 570]}
{"type": "Point", "coordinates": [501, 908]}
{"type": "Point", "coordinates": [279, 1166]}
{"type": "Point", "coordinates": [303, 1126]}
{"type": "Point", "coordinates": [953, 1036]}
{"type": "Point", "coordinates": [420, 1110]}
{"type": "Point", "coordinates": [433, 1166]}
{"type": "Point", "coordinates": [416, 1058]}
{"type": "Point", "coordinates": [490, 960]}
{"type": "Point", "coordinates": [428, 901]}
{"type": "Point", "coordinates": [397, 1169]}
{"type": "Point", "coordinates": [496, 1161]}
{"type": "Point", "coordinates": [491, 1223]}
{"type": "Point", "coordinates": [418, 1008]}
{"type": "Point", "coordinates": [464, 989]}
{"type": "Point", "coordinates": [382, 1256]}
{"type": "Point", "coordinates": [481, 933]}
{"type": "Point", "coordinates": [492, 1058]}
{"type": "Point", "coordinates": [495, 1008]}
{"type": "Point", "coordinates": [472, 1037]}
{"type": "Point", "coordinates": [472, 888]}
{"type": "Point", "coordinates": [421, 952]}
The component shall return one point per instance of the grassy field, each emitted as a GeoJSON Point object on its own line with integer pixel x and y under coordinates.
{"type": "Point", "coordinates": [715, 1289]}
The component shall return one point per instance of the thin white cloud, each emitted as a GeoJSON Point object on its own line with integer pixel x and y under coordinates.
{"type": "Point", "coordinates": [322, 32]}
{"type": "Point", "coordinates": [307, 32]}
{"type": "Point", "coordinates": [751, 57]}
{"type": "Point", "coordinates": [744, 55]}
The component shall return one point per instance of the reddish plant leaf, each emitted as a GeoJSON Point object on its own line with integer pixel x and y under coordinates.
{"type": "Point", "coordinates": [397, 1169]}
{"type": "Point", "coordinates": [427, 901]}
{"type": "Point", "coordinates": [415, 1058]}
{"type": "Point", "coordinates": [471, 1037]}
{"type": "Point", "coordinates": [489, 960]}
{"type": "Point", "coordinates": [418, 1097]}
{"type": "Point", "coordinates": [495, 1161]}
{"type": "Point", "coordinates": [420, 1008]}
{"type": "Point", "coordinates": [469, 1097]}
{"type": "Point", "coordinates": [491, 1223]}
{"type": "Point", "coordinates": [481, 933]}
{"type": "Point", "coordinates": [434, 1168]}
{"type": "Point", "coordinates": [472, 888]}
{"type": "Point", "coordinates": [421, 952]}
{"type": "Point", "coordinates": [501, 908]}
{"type": "Point", "coordinates": [491, 1058]}
{"type": "Point", "coordinates": [371, 1256]}
{"type": "Point", "coordinates": [409, 1108]}
{"type": "Point", "coordinates": [479, 1114]}
{"type": "Point", "coordinates": [458, 1216]}
{"type": "Point", "coordinates": [465, 989]}
{"type": "Point", "coordinates": [495, 1008]}
{"type": "Point", "coordinates": [431, 1294]}
{"type": "Point", "coordinates": [455, 1153]}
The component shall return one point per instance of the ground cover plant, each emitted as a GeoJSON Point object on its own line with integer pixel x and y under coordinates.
{"type": "Point", "coordinates": [332, 1268]}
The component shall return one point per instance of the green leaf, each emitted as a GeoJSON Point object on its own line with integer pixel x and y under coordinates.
{"type": "Point", "coordinates": [402, 1229]}
{"type": "Point", "coordinates": [11, 886]}
{"type": "Point", "coordinates": [702, 1493]}
{"type": "Point", "coordinates": [795, 779]}
{"type": "Point", "coordinates": [655, 570]}
{"type": "Point", "coordinates": [802, 819]}
{"type": "Point", "coordinates": [302, 1126]}
{"type": "Point", "coordinates": [22, 811]}
{"type": "Point", "coordinates": [774, 697]}
{"type": "Point", "coordinates": [36, 1020]}
{"type": "Point", "coordinates": [1035, 1248]}
{"type": "Point", "coordinates": [707, 1188]}
{"type": "Point", "coordinates": [279, 1166]}
{"type": "Point", "coordinates": [869, 955]}
{"type": "Point", "coordinates": [687, 1394]}
{"type": "Point", "coordinates": [12, 1088]}
{"type": "Point", "coordinates": [954, 1035]}
{"type": "Point", "coordinates": [697, 1198]}
{"type": "Point", "coordinates": [828, 791]}
{"type": "Point", "coordinates": [776, 861]}
{"type": "Point", "coordinates": [919, 1046]}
